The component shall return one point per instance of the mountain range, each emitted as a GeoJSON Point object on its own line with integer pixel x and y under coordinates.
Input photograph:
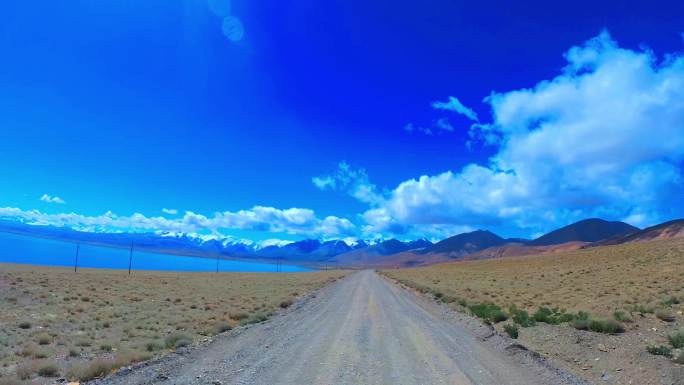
{"type": "Point", "coordinates": [477, 244]}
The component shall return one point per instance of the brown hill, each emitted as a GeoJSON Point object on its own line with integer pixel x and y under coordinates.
{"type": "Point", "coordinates": [667, 230]}
{"type": "Point", "coordinates": [519, 249]}
{"type": "Point", "coordinates": [587, 230]}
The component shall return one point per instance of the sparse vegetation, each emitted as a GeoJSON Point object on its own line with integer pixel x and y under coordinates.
{"type": "Point", "coordinates": [48, 370]}
{"type": "Point", "coordinates": [488, 312]}
{"type": "Point", "coordinates": [175, 341]}
{"type": "Point", "coordinates": [660, 350]}
{"type": "Point", "coordinates": [677, 339]}
{"type": "Point", "coordinates": [222, 327]}
{"type": "Point", "coordinates": [83, 321]}
{"type": "Point", "coordinates": [25, 371]}
{"type": "Point", "coordinates": [154, 346]}
{"type": "Point", "coordinates": [106, 347]}
{"type": "Point", "coordinates": [606, 326]}
{"type": "Point", "coordinates": [665, 315]}
{"type": "Point", "coordinates": [636, 277]}
{"type": "Point", "coordinates": [552, 316]}
{"type": "Point", "coordinates": [631, 289]}
{"type": "Point", "coordinates": [44, 339]}
{"type": "Point", "coordinates": [521, 317]}
{"type": "Point", "coordinates": [621, 316]}
{"type": "Point", "coordinates": [512, 330]}
{"type": "Point", "coordinates": [254, 319]}
{"type": "Point", "coordinates": [90, 371]}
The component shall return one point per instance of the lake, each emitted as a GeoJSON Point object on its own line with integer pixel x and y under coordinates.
{"type": "Point", "coordinates": [48, 252]}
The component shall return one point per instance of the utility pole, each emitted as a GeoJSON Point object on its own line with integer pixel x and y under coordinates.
{"type": "Point", "coordinates": [217, 263]}
{"type": "Point", "coordinates": [78, 246]}
{"type": "Point", "coordinates": [130, 259]}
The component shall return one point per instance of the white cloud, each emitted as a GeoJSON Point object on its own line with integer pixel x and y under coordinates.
{"type": "Point", "coordinates": [232, 28]}
{"type": "Point", "coordinates": [444, 124]}
{"type": "Point", "coordinates": [324, 182]}
{"type": "Point", "coordinates": [455, 105]}
{"type": "Point", "coordinates": [169, 211]}
{"type": "Point", "coordinates": [410, 127]}
{"type": "Point", "coordinates": [259, 218]}
{"type": "Point", "coordinates": [354, 181]}
{"type": "Point", "coordinates": [50, 199]}
{"type": "Point", "coordinates": [603, 138]}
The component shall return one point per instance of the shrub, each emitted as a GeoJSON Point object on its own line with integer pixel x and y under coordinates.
{"type": "Point", "coordinates": [254, 319]}
{"type": "Point", "coordinates": [24, 372]}
{"type": "Point", "coordinates": [606, 326]}
{"type": "Point", "coordinates": [239, 316]}
{"type": "Point", "coordinates": [106, 347]}
{"type": "Point", "coordinates": [551, 316]}
{"type": "Point", "coordinates": [642, 309]}
{"type": "Point", "coordinates": [677, 339]}
{"type": "Point", "coordinates": [153, 346]}
{"type": "Point", "coordinates": [665, 315]}
{"type": "Point", "coordinates": [130, 357]}
{"type": "Point", "coordinates": [222, 327]}
{"type": "Point", "coordinates": [672, 300]}
{"type": "Point", "coordinates": [48, 370]}
{"type": "Point", "coordinates": [521, 317]}
{"type": "Point", "coordinates": [24, 325]}
{"type": "Point", "coordinates": [27, 351]}
{"type": "Point", "coordinates": [175, 341]}
{"type": "Point", "coordinates": [679, 358]}
{"type": "Point", "coordinates": [660, 350]}
{"type": "Point", "coordinates": [84, 343]}
{"type": "Point", "coordinates": [95, 369]}
{"type": "Point", "coordinates": [512, 330]}
{"type": "Point", "coordinates": [44, 339]}
{"type": "Point", "coordinates": [488, 312]}
{"type": "Point", "coordinates": [622, 316]}
{"type": "Point", "coordinates": [284, 304]}
{"type": "Point", "coordinates": [581, 321]}
{"type": "Point", "coordinates": [74, 353]}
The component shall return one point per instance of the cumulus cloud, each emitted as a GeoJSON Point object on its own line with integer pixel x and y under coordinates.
{"type": "Point", "coordinates": [455, 105]}
{"type": "Point", "coordinates": [296, 221]}
{"type": "Point", "coordinates": [353, 181]}
{"type": "Point", "coordinates": [50, 199]}
{"type": "Point", "coordinates": [170, 211]}
{"type": "Point", "coordinates": [603, 138]}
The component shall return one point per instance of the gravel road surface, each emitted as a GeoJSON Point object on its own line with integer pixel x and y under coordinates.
{"type": "Point", "coordinates": [360, 330]}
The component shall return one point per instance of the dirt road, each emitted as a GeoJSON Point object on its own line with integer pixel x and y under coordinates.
{"type": "Point", "coordinates": [360, 330]}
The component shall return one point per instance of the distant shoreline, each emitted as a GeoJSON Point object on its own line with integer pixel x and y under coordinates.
{"type": "Point", "coordinates": [141, 248]}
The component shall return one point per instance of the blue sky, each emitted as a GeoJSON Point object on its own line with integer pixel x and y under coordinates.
{"type": "Point", "coordinates": [340, 119]}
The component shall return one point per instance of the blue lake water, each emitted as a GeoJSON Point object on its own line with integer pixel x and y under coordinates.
{"type": "Point", "coordinates": [48, 252]}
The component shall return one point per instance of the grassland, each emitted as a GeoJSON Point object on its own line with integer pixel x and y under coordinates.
{"type": "Point", "coordinates": [596, 280]}
{"type": "Point", "coordinates": [637, 287]}
{"type": "Point", "coordinates": [57, 323]}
